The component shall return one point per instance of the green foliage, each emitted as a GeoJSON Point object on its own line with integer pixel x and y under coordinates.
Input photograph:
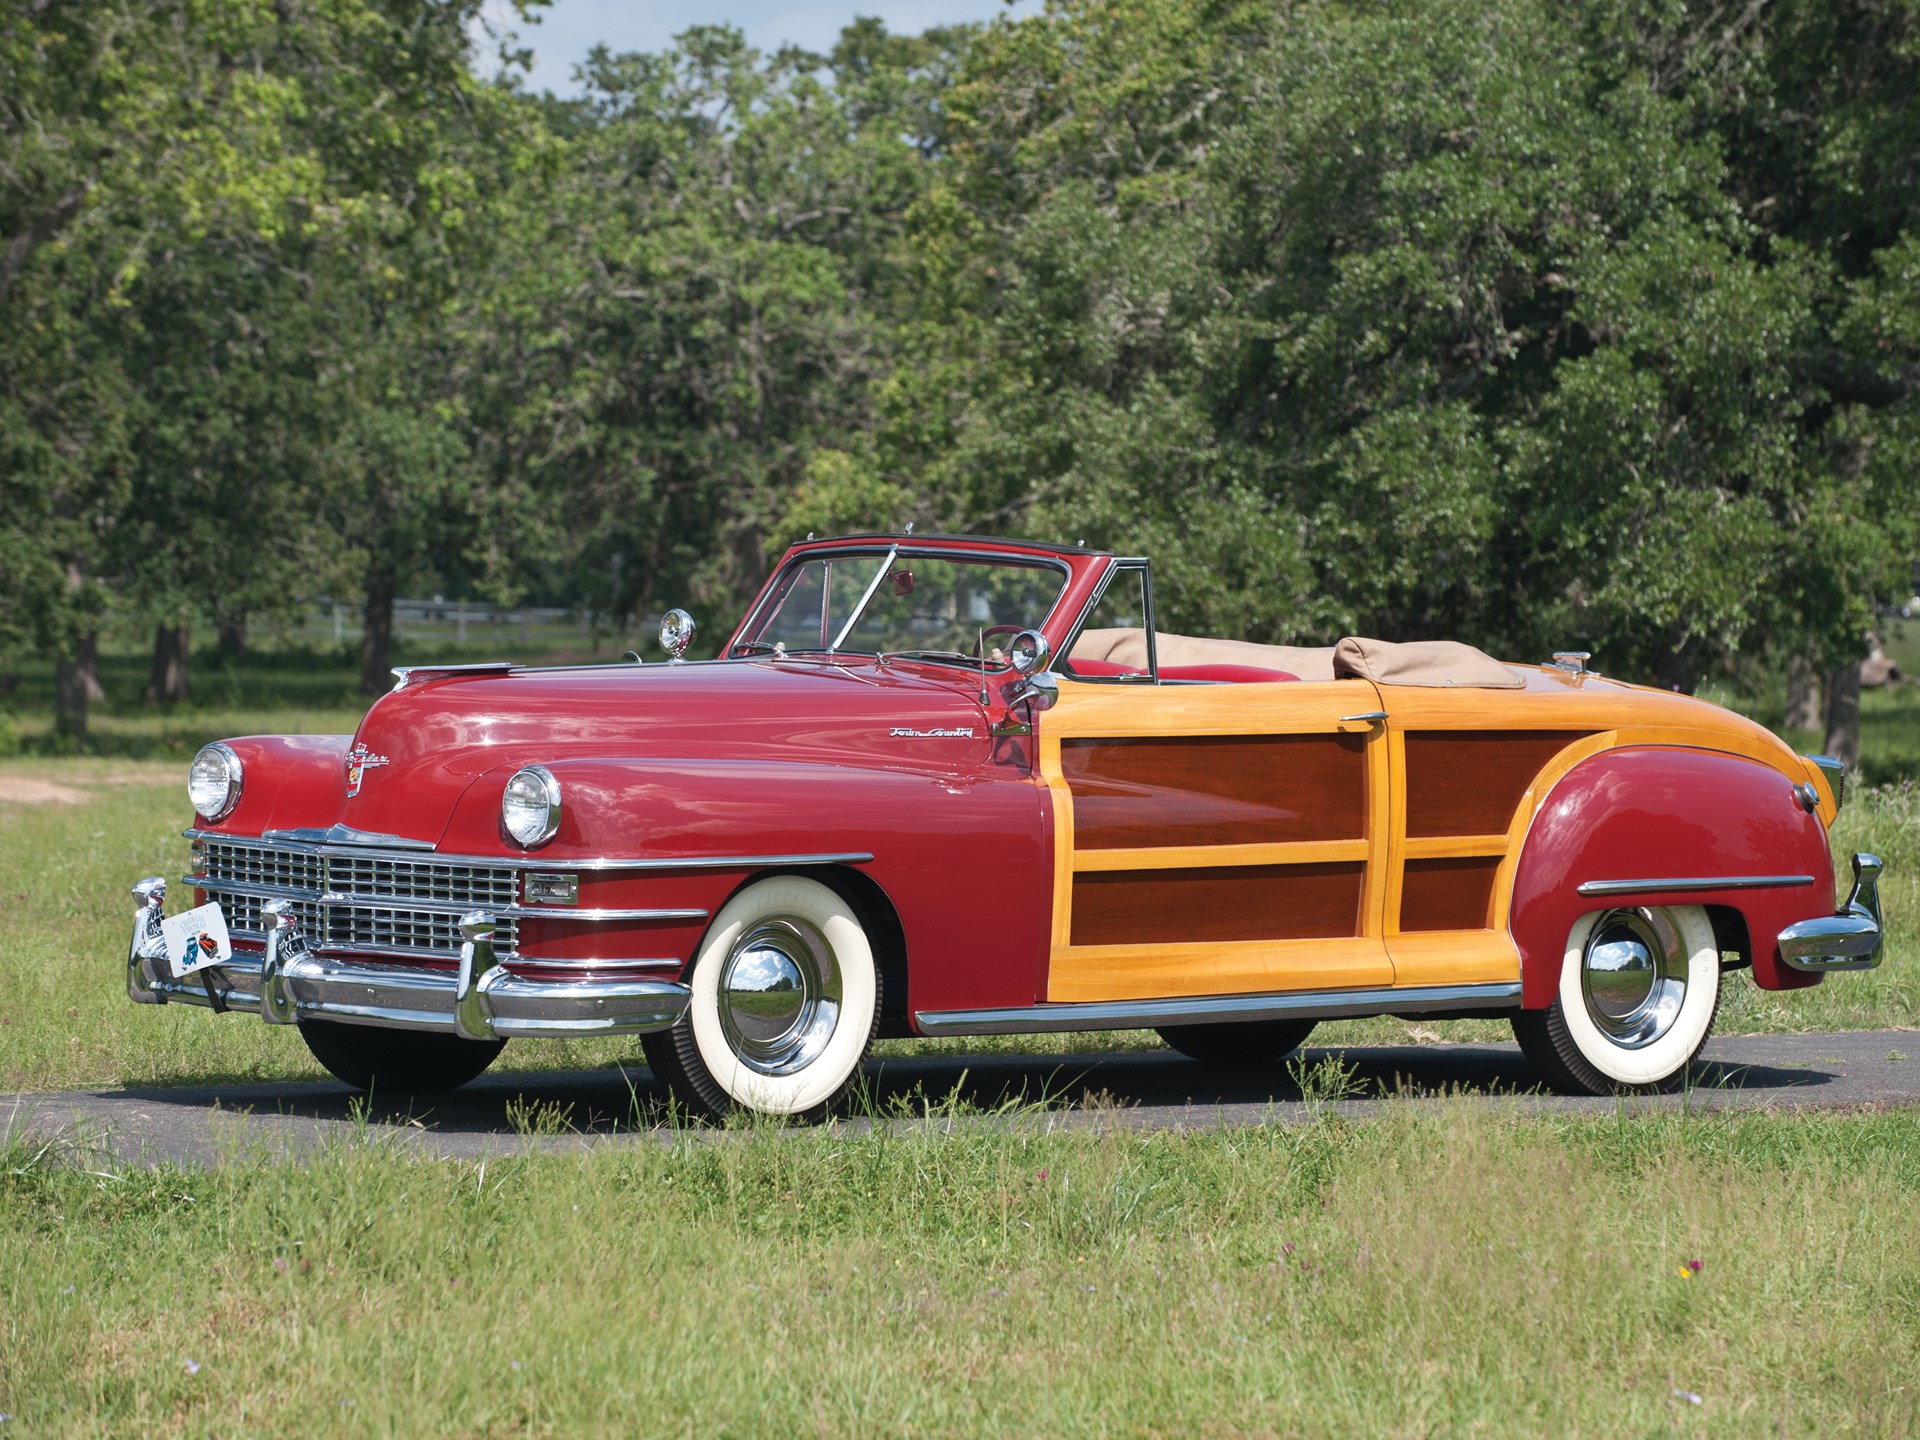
{"type": "Point", "coordinates": [1505, 320]}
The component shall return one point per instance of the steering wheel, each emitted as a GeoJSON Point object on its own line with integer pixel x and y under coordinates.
{"type": "Point", "coordinates": [996, 630]}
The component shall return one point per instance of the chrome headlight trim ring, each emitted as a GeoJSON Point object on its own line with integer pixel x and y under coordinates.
{"type": "Point", "coordinates": [221, 767]}
{"type": "Point", "coordinates": [530, 807]}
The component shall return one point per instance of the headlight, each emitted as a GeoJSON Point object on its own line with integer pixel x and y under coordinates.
{"type": "Point", "coordinates": [531, 807]}
{"type": "Point", "coordinates": [213, 784]}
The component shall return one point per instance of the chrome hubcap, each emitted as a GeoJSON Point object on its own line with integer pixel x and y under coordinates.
{"type": "Point", "coordinates": [779, 995]}
{"type": "Point", "coordinates": [1633, 976]}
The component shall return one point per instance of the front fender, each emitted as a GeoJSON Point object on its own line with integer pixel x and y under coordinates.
{"type": "Point", "coordinates": [966, 861]}
{"type": "Point", "coordinates": [1648, 812]}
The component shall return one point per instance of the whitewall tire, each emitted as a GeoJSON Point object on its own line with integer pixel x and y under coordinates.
{"type": "Point", "coordinates": [786, 999]}
{"type": "Point", "coordinates": [1637, 996]}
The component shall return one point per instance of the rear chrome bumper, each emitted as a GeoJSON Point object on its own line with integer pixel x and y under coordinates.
{"type": "Point", "coordinates": [481, 1001]}
{"type": "Point", "coordinates": [1849, 940]}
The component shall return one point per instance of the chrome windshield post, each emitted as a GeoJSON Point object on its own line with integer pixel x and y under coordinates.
{"type": "Point", "coordinates": [866, 597]}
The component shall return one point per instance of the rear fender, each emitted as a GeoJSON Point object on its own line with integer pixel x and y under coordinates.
{"type": "Point", "coordinates": [1658, 812]}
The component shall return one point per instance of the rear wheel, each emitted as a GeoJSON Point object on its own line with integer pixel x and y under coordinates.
{"type": "Point", "coordinates": [1639, 990]}
{"type": "Point", "coordinates": [397, 1062]}
{"type": "Point", "coordinates": [1247, 1042]}
{"type": "Point", "coordinates": [786, 999]}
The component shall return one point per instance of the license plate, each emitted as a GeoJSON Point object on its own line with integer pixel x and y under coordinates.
{"type": "Point", "coordinates": [196, 940]}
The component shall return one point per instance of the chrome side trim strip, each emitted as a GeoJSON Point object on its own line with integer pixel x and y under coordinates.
{"type": "Point", "coordinates": [1711, 882]}
{"type": "Point", "coordinates": [1210, 1009]}
{"type": "Point", "coordinates": [595, 863]}
{"type": "Point", "coordinates": [458, 907]}
{"type": "Point", "coordinates": [553, 912]}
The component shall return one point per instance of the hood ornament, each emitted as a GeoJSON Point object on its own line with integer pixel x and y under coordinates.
{"type": "Point", "coordinates": [359, 761]}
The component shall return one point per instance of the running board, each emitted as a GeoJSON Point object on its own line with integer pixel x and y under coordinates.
{"type": "Point", "coordinates": [1217, 1009]}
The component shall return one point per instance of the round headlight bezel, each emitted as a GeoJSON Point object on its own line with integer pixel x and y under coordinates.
{"type": "Point", "coordinates": [533, 795]}
{"type": "Point", "coordinates": [230, 774]}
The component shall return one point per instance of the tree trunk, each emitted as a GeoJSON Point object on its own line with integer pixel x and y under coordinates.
{"type": "Point", "coordinates": [376, 635]}
{"type": "Point", "coordinates": [1843, 714]}
{"type": "Point", "coordinates": [1803, 695]}
{"type": "Point", "coordinates": [233, 633]}
{"type": "Point", "coordinates": [74, 684]}
{"type": "Point", "coordinates": [167, 682]}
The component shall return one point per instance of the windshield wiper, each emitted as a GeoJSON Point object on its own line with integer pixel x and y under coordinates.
{"type": "Point", "coordinates": [958, 656]}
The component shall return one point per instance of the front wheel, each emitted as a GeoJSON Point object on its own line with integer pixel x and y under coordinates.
{"type": "Point", "coordinates": [397, 1062]}
{"type": "Point", "coordinates": [1639, 990]}
{"type": "Point", "coordinates": [786, 999]}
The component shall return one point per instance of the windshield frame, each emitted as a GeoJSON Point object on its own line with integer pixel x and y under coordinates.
{"type": "Point", "coordinates": [775, 592]}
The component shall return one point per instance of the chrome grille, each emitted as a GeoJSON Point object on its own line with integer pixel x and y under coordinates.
{"type": "Point", "coordinates": [289, 869]}
{"type": "Point", "coordinates": [390, 928]}
{"type": "Point", "coordinates": [480, 887]}
{"type": "Point", "coordinates": [368, 922]}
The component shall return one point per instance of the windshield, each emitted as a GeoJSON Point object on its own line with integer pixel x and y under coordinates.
{"type": "Point", "coordinates": [912, 603]}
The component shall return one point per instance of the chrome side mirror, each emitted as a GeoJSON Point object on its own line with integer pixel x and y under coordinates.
{"type": "Point", "coordinates": [1041, 688]}
{"type": "Point", "coordinates": [1028, 652]}
{"type": "Point", "coordinates": [676, 633]}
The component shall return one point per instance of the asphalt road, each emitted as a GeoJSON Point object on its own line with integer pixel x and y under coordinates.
{"type": "Point", "coordinates": [1146, 1089]}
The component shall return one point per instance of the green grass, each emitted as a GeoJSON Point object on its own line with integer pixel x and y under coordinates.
{"type": "Point", "coordinates": [1447, 1270]}
{"type": "Point", "coordinates": [65, 919]}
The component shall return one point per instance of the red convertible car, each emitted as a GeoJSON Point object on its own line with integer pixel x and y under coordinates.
{"type": "Point", "coordinates": [959, 786]}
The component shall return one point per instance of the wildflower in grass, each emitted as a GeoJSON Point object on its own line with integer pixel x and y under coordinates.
{"type": "Point", "coordinates": [1689, 1269]}
{"type": "Point", "coordinates": [279, 1262]}
{"type": "Point", "coordinates": [193, 1367]}
{"type": "Point", "coordinates": [1689, 1397]}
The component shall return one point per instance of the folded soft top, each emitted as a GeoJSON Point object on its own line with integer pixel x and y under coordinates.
{"type": "Point", "coordinates": [1433, 663]}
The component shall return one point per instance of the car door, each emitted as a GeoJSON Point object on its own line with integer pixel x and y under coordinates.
{"type": "Point", "coordinates": [1216, 839]}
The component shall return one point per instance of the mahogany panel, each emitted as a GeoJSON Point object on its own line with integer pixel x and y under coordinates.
{"type": "Point", "coordinates": [1451, 894]}
{"type": "Point", "coordinates": [1231, 902]}
{"type": "Point", "coordinates": [1216, 789]}
{"type": "Point", "coordinates": [1469, 782]}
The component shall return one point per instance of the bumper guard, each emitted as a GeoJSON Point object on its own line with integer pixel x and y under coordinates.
{"type": "Point", "coordinates": [1849, 940]}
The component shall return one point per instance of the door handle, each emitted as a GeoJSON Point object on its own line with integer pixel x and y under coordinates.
{"type": "Point", "coordinates": [1371, 717]}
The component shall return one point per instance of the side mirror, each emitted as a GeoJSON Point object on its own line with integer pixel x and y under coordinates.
{"type": "Point", "coordinates": [1042, 688]}
{"type": "Point", "coordinates": [1028, 652]}
{"type": "Point", "coordinates": [676, 633]}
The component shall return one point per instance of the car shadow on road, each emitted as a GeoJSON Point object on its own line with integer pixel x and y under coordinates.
{"type": "Point", "coordinates": [1150, 1086]}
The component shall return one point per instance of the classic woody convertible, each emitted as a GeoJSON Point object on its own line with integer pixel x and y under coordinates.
{"type": "Point", "coordinates": [959, 786]}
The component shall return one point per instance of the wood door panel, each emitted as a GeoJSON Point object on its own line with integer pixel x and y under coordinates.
{"type": "Point", "coordinates": [1462, 782]}
{"type": "Point", "coordinates": [1216, 789]}
{"type": "Point", "coordinates": [1223, 903]}
{"type": "Point", "coordinates": [1455, 893]}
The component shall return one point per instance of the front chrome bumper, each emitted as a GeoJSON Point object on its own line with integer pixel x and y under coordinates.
{"type": "Point", "coordinates": [481, 1001]}
{"type": "Point", "coordinates": [1849, 940]}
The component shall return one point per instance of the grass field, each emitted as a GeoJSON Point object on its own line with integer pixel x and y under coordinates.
{"type": "Point", "coordinates": [1435, 1271]}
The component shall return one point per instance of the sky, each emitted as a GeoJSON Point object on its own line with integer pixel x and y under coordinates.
{"type": "Point", "coordinates": [569, 28]}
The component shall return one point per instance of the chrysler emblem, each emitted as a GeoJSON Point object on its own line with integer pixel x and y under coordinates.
{"type": "Point", "coordinates": [359, 761]}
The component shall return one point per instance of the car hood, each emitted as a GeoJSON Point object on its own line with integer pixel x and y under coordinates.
{"type": "Point", "coordinates": [428, 741]}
